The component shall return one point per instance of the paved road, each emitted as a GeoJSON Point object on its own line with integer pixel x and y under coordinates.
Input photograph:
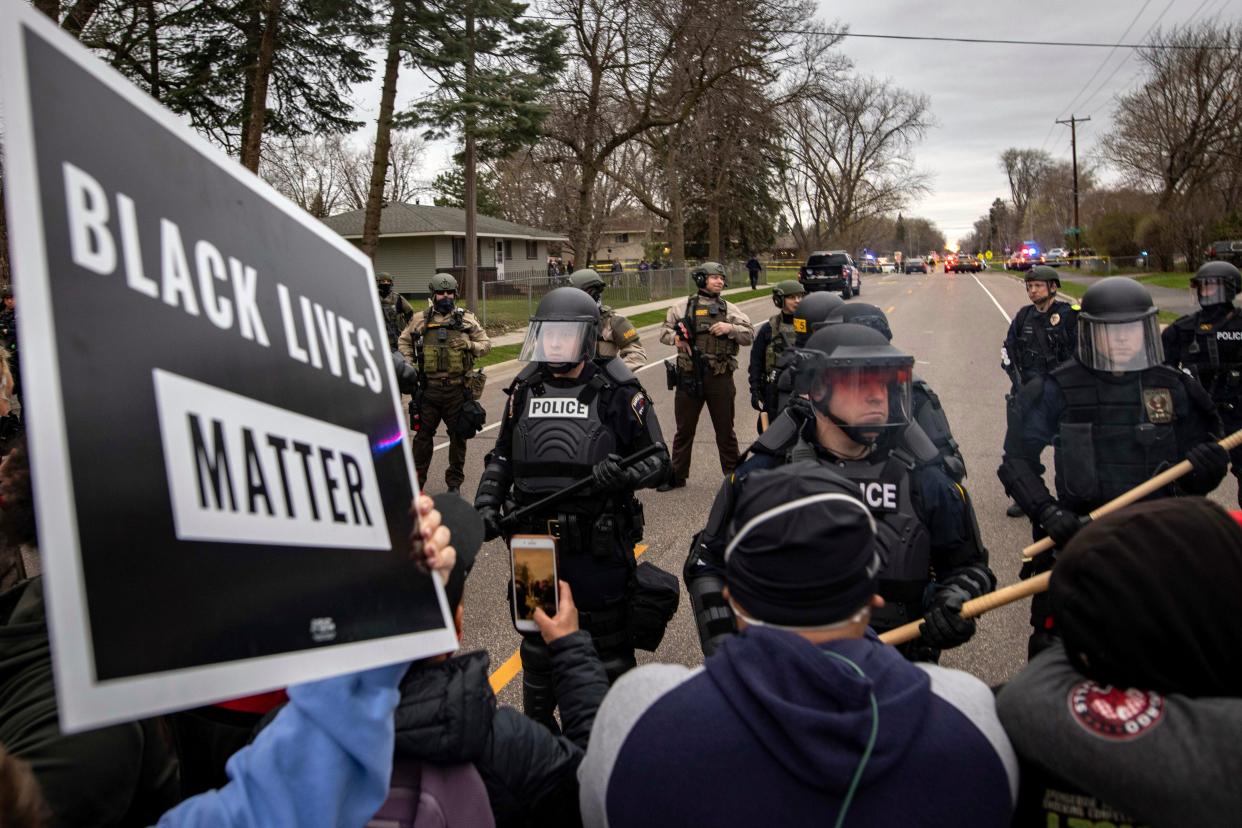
{"type": "Point", "coordinates": [954, 325]}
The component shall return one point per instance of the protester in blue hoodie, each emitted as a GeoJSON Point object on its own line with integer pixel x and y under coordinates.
{"type": "Point", "coordinates": [805, 718]}
{"type": "Point", "coordinates": [326, 759]}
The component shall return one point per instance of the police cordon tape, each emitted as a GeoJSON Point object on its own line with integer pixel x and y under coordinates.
{"type": "Point", "coordinates": [1039, 583]}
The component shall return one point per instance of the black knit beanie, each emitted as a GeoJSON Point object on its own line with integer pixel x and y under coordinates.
{"type": "Point", "coordinates": [801, 548]}
{"type": "Point", "coordinates": [1147, 597]}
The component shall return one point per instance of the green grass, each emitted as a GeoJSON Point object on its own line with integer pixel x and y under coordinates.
{"type": "Point", "coordinates": [1169, 317]}
{"type": "Point", "coordinates": [1177, 281]}
{"type": "Point", "coordinates": [641, 320]}
{"type": "Point", "coordinates": [501, 353]}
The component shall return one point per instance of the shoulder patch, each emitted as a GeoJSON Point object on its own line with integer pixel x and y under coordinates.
{"type": "Point", "coordinates": [1115, 714]}
{"type": "Point", "coordinates": [638, 404]}
{"type": "Point", "coordinates": [630, 334]}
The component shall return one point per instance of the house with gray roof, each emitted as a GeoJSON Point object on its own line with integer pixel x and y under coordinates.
{"type": "Point", "coordinates": [417, 241]}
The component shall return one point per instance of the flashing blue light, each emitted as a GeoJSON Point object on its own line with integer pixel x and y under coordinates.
{"type": "Point", "coordinates": [387, 443]}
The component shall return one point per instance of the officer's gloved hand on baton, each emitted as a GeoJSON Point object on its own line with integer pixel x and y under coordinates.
{"type": "Point", "coordinates": [610, 474]}
{"type": "Point", "coordinates": [491, 522]}
{"type": "Point", "coordinates": [755, 402]}
{"type": "Point", "coordinates": [1060, 523]}
{"type": "Point", "coordinates": [944, 627]}
{"type": "Point", "coordinates": [1209, 460]}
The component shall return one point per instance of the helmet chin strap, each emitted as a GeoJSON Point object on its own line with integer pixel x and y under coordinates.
{"type": "Point", "coordinates": [853, 432]}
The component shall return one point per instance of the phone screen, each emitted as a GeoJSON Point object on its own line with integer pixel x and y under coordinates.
{"type": "Point", "coordinates": [534, 581]}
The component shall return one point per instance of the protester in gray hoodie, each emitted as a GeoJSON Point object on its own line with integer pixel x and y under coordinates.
{"type": "Point", "coordinates": [1135, 717]}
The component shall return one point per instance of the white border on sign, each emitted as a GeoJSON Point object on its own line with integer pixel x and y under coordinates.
{"type": "Point", "coordinates": [84, 701]}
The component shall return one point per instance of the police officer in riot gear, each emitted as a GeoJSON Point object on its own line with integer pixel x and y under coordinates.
{"type": "Point", "coordinates": [1041, 336]}
{"type": "Point", "coordinates": [396, 310]}
{"type": "Point", "coordinates": [772, 339]}
{"type": "Point", "coordinates": [811, 311]}
{"type": "Point", "coordinates": [1116, 416]}
{"type": "Point", "coordinates": [617, 337]}
{"type": "Point", "coordinates": [569, 418]}
{"type": "Point", "coordinates": [927, 410]}
{"type": "Point", "coordinates": [1208, 345]}
{"type": "Point", "coordinates": [442, 343]}
{"type": "Point", "coordinates": [708, 332]}
{"type": "Point", "coordinates": [855, 416]}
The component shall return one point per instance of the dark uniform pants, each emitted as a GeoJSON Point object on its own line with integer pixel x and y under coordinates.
{"type": "Point", "coordinates": [442, 402]}
{"type": "Point", "coordinates": [719, 394]}
{"type": "Point", "coordinates": [1232, 418]}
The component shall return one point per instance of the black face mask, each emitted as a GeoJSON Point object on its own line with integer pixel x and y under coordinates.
{"type": "Point", "coordinates": [384, 290]}
{"type": "Point", "coordinates": [444, 305]}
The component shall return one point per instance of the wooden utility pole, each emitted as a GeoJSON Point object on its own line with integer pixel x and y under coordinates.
{"type": "Point", "coordinates": [1073, 125]}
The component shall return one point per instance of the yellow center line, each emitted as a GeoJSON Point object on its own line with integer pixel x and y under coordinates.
{"type": "Point", "coordinates": [891, 308]}
{"type": "Point", "coordinates": [508, 671]}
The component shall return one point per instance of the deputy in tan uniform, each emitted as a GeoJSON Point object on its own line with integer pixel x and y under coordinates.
{"type": "Point", "coordinates": [442, 343]}
{"type": "Point", "coordinates": [708, 332]}
{"type": "Point", "coordinates": [617, 337]}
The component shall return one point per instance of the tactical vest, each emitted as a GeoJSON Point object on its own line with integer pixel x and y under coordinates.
{"type": "Point", "coordinates": [446, 347]}
{"type": "Point", "coordinates": [1042, 345]}
{"type": "Point", "coordinates": [615, 332]}
{"type": "Point", "coordinates": [930, 416]}
{"type": "Point", "coordinates": [1212, 352]}
{"type": "Point", "coordinates": [718, 351]}
{"type": "Point", "coordinates": [1116, 432]}
{"type": "Point", "coordinates": [886, 487]}
{"type": "Point", "coordinates": [782, 338]}
{"type": "Point", "coordinates": [393, 322]}
{"type": "Point", "coordinates": [558, 437]}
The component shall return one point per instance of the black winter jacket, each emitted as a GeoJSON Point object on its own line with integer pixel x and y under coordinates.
{"type": "Point", "coordinates": [448, 715]}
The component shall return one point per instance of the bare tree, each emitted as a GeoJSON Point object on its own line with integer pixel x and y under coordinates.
{"type": "Point", "coordinates": [1180, 131]}
{"type": "Point", "coordinates": [405, 156]}
{"type": "Point", "coordinates": [309, 171]}
{"type": "Point", "coordinates": [1024, 168]}
{"type": "Point", "coordinates": [849, 157]}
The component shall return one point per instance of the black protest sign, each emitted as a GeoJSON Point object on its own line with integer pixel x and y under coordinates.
{"type": "Point", "coordinates": [222, 473]}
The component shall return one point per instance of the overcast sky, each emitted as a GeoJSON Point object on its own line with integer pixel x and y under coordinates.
{"type": "Point", "coordinates": [986, 97]}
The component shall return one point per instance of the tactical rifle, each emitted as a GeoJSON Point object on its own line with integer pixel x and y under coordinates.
{"type": "Point", "coordinates": [416, 395]}
{"type": "Point", "coordinates": [518, 515]}
{"type": "Point", "coordinates": [691, 384]}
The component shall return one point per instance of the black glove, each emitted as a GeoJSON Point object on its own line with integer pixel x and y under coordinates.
{"type": "Point", "coordinates": [491, 522]}
{"type": "Point", "coordinates": [1209, 461]}
{"type": "Point", "coordinates": [1060, 523]}
{"type": "Point", "coordinates": [800, 409]}
{"type": "Point", "coordinates": [610, 474]}
{"type": "Point", "coordinates": [755, 402]}
{"type": "Point", "coordinates": [944, 627]}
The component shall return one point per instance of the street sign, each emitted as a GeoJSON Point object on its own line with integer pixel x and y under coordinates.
{"type": "Point", "coordinates": [222, 472]}
{"type": "Point", "coordinates": [988, 255]}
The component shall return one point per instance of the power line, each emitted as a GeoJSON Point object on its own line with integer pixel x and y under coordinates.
{"type": "Point", "coordinates": [1126, 59]}
{"type": "Point", "coordinates": [932, 38]}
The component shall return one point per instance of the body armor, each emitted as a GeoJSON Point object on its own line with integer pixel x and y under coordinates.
{"type": "Point", "coordinates": [930, 416]}
{"type": "Point", "coordinates": [1116, 432]}
{"type": "Point", "coordinates": [1210, 348]}
{"type": "Point", "coordinates": [394, 321]}
{"type": "Point", "coordinates": [782, 339]}
{"type": "Point", "coordinates": [1042, 345]}
{"type": "Point", "coordinates": [446, 347]}
{"type": "Point", "coordinates": [719, 352]}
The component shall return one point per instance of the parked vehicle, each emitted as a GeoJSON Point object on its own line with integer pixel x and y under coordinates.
{"type": "Point", "coordinates": [962, 263]}
{"type": "Point", "coordinates": [831, 270]}
{"type": "Point", "coordinates": [915, 266]}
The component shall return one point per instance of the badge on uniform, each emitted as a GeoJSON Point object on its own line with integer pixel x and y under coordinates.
{"type": "Point", "coordinates": [1205, 326]}
{"type": "Point", "coordinates": [799, 325]}
{"type": "Point", "coordinates": [1054, 320]}
{"type": "Point", "coordinates": [700, 311]}
{"type": "Point", "coordinates": [639, 405]}
{"type": "Point", "coordinates": [1159, 405]}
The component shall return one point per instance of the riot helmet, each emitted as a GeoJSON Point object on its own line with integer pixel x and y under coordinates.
{"type": "Point", "coordinates": [858, 313]}
{"type": "Point", "coordinates": [383, 283]}
{"type": "Point", "coordinates": [789, 287]}
{"type": "Point", "coordinates": [1044, 273]}
{"type": "Point", "coordinates": [563, 331]}
{"type": "Point", "coordinates": [1118, 330]}
{"type": "Point", "coordinates": [814, 308]}
{"type": "Point", "coordinates": [587, 279]}
{"type": "Point", "coordinates": [858, 380]}
{"type": "Point", "coordinates": [1216, 283]}
{"type": "Point", "coordinates": [700, 274]}
{"type": "Point", "coordinates": [443, 283]}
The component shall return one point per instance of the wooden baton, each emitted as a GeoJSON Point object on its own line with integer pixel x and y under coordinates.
{"type": "Point", "coordinates": [1137, 493]}
{"type": "Point", "coordinates": [763, 420]}
{"type": "Point", "coordinates": [976, 606]}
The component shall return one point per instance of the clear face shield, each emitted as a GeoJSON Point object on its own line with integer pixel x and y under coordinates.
{"type": "Point", "coordinates": [558, 343]}
{"type": "Point", "coordinates": [1118, 347]}
{"type": "Point", "coordinates": [869, 399]}
{"type": "Point", "coordinates": [1209, 290]}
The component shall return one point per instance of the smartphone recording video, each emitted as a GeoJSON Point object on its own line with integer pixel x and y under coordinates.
{"type": "Point", "coordinates": [534, 579]}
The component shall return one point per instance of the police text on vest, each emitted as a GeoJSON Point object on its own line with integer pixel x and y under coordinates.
{"type": "Point", "coordinates": [558, 407]}
{"type": "Point", "coordinates": [879, 495]}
